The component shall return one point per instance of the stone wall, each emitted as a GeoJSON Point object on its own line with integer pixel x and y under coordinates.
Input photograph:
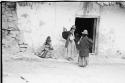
{"type": "Point", "coordinates": [11, 36]}
{"type": "Point", "coordinates": [9, 22]}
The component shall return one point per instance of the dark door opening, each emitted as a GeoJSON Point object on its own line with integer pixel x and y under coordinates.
{"type": "Point", "coordinates": [88, 24]}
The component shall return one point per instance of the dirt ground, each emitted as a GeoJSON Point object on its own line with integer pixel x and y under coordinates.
{"type": "Point", "coordinates": [25, 69]}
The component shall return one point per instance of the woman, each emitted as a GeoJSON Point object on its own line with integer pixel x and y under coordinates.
{"type": "Point", "coordinates": [70, 44]}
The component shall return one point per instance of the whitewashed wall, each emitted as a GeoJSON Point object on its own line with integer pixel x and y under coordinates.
{"type": "Point", "coordinates": [46, 19]}
{"type": "Point", "coordinates": [112, 31]}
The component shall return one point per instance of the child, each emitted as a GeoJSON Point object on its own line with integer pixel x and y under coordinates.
{"type": "Point", "coordinates": [47, 48]}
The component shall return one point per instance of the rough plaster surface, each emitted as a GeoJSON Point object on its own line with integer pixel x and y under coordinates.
{"type": "Point", "coordinates": [111, 30]}
{"type": "Point", "coordinates": [9, 28]}
{"type": "Point", "coordinates": [41, 20]}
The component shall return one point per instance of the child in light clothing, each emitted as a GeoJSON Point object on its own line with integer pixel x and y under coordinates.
{"type": "Point", "coordinates": [46, 51]}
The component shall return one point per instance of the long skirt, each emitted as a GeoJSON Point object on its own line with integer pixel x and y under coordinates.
{"type": "Point", "coordinates": [71, 50]}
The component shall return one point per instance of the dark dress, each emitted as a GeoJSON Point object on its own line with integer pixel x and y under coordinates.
{"type": "Point", "coordinates": [84, 45]}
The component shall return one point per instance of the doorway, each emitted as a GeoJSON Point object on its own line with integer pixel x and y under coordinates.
{"type": "Point", "coordinates": [89, 24]}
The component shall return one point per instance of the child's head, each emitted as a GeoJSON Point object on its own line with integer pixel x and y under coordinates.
{"type": "Point", "coordinates": [48, 39]}
{"type": "Point", "coordinates": [64, 29]}
{"type": "Point", "coordinates": [73, 29]}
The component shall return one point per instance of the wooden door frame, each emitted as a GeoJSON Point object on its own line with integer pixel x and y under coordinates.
{"type": "Point", "coordinates": [96, 26]}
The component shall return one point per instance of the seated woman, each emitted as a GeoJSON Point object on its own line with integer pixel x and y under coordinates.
{"type": "Point", "coordinates": [46, 51]}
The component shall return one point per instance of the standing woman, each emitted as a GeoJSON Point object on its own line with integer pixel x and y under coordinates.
{"type": "Point", "coordinates": [84, 49]}
{"type": "Point", "coordinates": [70, 44]}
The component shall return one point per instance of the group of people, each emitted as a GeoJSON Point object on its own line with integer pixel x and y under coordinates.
{"type": "Point", "coordinates": [81, 47]}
